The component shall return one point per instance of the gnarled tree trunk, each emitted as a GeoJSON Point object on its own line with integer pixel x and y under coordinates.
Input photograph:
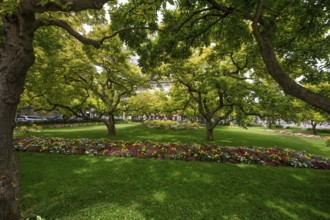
{"type": "Point", "coordinates": [210, 125]}
{"type": "Point", "coordinates": [110, 123]}
{"type": "Point", "coordinates": [313, 123]}
{"type": "Point", "coordinates": [16, 56]}
{"type": "Point", "coordinates": [275, 69]}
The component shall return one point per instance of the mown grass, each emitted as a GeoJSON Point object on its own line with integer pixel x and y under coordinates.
{"type": "Point", "coordinates": [82, 187]}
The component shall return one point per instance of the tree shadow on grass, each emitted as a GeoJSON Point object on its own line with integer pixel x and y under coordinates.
{"type": "Point", "coordinates": [81, 187]}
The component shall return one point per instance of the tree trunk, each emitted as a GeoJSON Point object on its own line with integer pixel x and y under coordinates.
{"type": "Point", "coordinates": [65, 119]}
{"type": "Point", "coordinates": [110, 123]}
{"type": "Point", "coordinates": [288, 85]}
{"type": "Point", "coordinates": [16, 57]}
{"type": "Point", "coordinates": [313, 126]}
{"type": "Point", "coordinates": [209, 130]}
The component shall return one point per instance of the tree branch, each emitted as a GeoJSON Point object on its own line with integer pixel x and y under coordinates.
{"type": "Point", "coordinates": [87, 41]}
{"type": "Point", "coordinates": [226, 114]}
{"type": "Point", "coordinates": [274, 68]}
{"type": "Point", "coordinates": [46, 109]}
{"type": "Point", "coordinates": [64, 25]}
{"type": "Point", "coordinates": [34, 6]}
{"type": "Point", "coordinates": [129, 29]}
{"type": "Point", "coordinates": [236, 64]}
{"type": "Point", "coordinates": [76, 110]}
{"type": "Point", "coordinates": [191, 16]}
{"type": "Point", "coordinates": [218, 6]}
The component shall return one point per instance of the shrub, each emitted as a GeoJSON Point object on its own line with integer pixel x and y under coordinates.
{"type": "Point", "coordinates": [24, 129]}
{"type": "Point", "coordinates": [327, 141]}
{"type": "Point", "coordinates": [170, 124]}
{"type": "Point", "coordinates": [323, 130]}
{"type": "Point", "coordinates": [279, 126]}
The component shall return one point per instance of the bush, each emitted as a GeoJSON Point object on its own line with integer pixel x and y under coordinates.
{"type": "Point", "coordinates": [327, 141]}
{"type": "Point", "coordinates": [278, 126]}
{"type": "Point", "coordinates": [323, 130]}
{"type": "Point", "coordinates": [170, 124]}
{"type": "Point", "coordinates": [254, 125]}
{"type": "Point", "coordinates": [24, 129]}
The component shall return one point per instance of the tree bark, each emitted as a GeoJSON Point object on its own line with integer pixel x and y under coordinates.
{"type": "Point", "coordinates": [16, 57]}
{"type": "Point", "coordinates": [209, 130]}
{"type": "Point", "coordinates": [313, 126]}
{"type": "Point", "coordinates": [110, 123]}
{"type": "Point", "coordinates": [288, 85]}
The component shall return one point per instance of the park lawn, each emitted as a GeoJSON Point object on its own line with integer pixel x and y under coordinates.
{"type": "Point", "coordinates": [224, 136]}
{"type": "Point", "coordinates": [86, 187]}
{"type": "Point", "coordinates": [82, 187]}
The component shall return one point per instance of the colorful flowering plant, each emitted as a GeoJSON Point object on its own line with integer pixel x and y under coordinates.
{"type": "Point", "coordinates": [295, 134]}
{"type": "Point", "coordinates": [172, 151]}
{"type": "Point", "coordinates": [27, 129]}
{"type": "Point", "coordinates": [70, 125]}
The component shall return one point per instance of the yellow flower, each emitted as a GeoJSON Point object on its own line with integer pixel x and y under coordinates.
{"type": "Point", "coordinates": [43, 148]}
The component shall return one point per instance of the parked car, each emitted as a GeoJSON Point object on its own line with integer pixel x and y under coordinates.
{"type": "Point", "coordinates": [21, 119]}
{"type": "Point", "coordinates": [55, 119]}
{"type": "Point", "coordinates": [32, 119]}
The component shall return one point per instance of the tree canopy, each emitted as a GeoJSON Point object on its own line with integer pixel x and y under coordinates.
{"type": "Point", "coordinates": [291, 38]}
{"type": "Point", "coordinates": [82, 79]}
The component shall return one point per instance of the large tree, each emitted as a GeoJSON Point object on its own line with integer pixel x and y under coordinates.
{"type": "Point", "coordinates": [118, 80]}
{"type": "Point", "coordinates": [60, 78]}
{"type": "Point", "coordinates": [72, 82]}
{"type": "Point", "coordinates": [147, 103]}
{"type": "Point", "coordinates": [306, 112]}
{"type": "Point", "coordinates": [294, 31]}
{"type": "Point", "coordinates": [291, 37]}
{"type": "Point", "coordinates": [214, 85]}
{"type": "Point", "coordinates": [20, 20]}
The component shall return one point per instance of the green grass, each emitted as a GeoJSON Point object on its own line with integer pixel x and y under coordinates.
{"type": "Point", "coordinates": [80, 187]}
{"type": "Point", "coordinates": [223, 135]}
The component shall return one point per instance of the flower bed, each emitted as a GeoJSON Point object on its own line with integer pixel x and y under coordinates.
{"type": "Point", "coordinates": [27, 129]}
{"type": "Point", "coordinates": [295, 134]}
{"type": "Point", "coordinates": [172, 151]}
{"type": "Point", "coordinates": [70, 125]}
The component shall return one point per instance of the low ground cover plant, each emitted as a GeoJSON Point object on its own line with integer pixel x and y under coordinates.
{"type": "Point", "coordinates": [172, 151]}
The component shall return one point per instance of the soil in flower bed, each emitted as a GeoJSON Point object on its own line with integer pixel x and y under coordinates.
{"type": "Point", "coordinates": [173, 151]}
